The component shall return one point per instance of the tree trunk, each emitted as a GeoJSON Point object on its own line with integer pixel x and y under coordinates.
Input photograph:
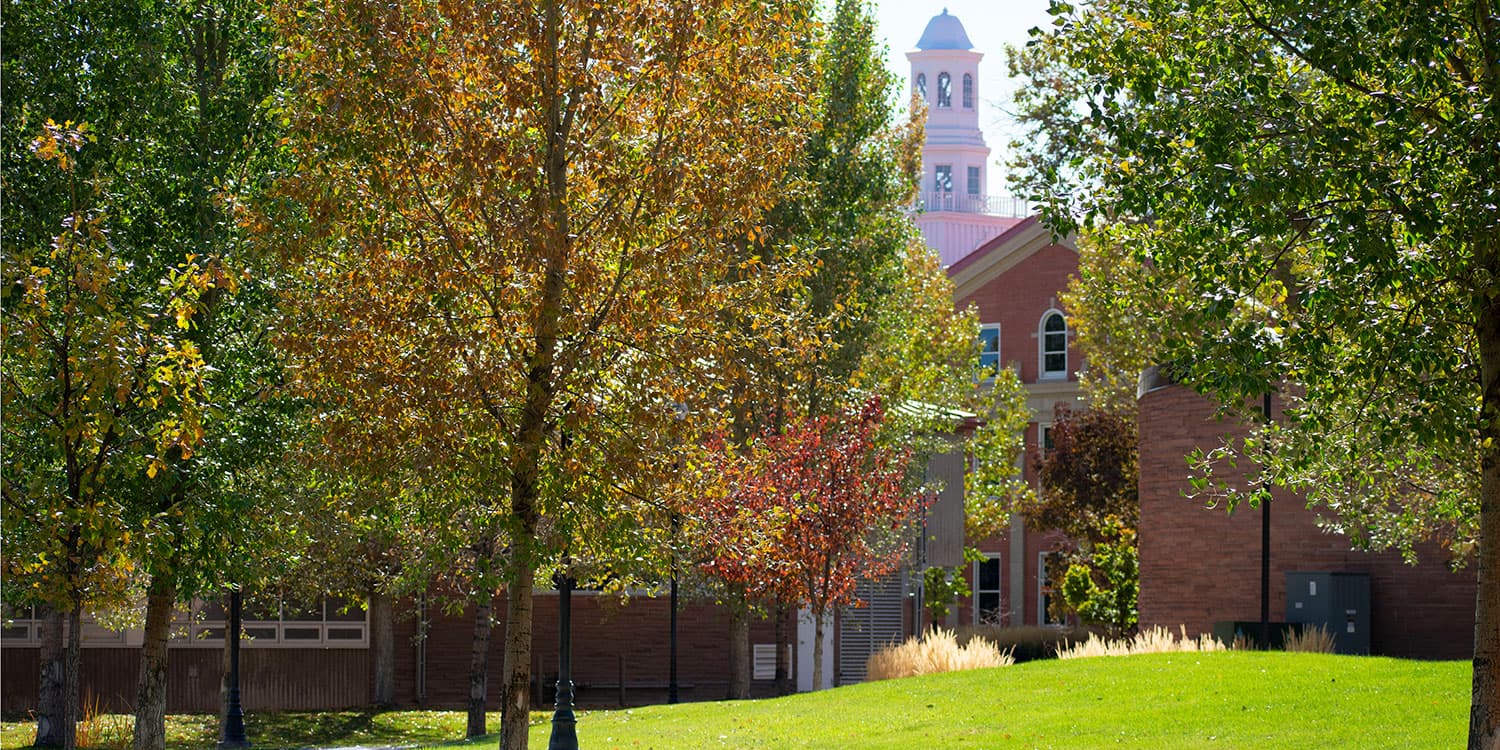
{"type": "Point", "coordinates": [515, 724]}
{"type": "Point", "coordinates": [479, 661]}
{"type": "Point", "coordinates": [383, 644]}
{"type": "Point", "coordinates": [49, 704]}
{"type": "Point", "coordinates": [783, 654]}
{"type": "Point", "coordinates": [70, 677]}
{"type": "Point", "coordinates": [151, 689]}
{"type": "Point", "coordinates": [817, 675]}
{"type": "Point", "coordinates": [739, 650]}
{"type": "Point", "coordinates": [1484, 712]}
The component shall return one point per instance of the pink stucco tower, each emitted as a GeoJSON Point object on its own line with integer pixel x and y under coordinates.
{"type": "Point", "coordinates": [958, 212]}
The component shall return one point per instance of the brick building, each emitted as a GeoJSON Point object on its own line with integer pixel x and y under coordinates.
{"type": "Point", "coordinates": [1201, 565]}
{"type": "Point", "coordinates": [619, 658]}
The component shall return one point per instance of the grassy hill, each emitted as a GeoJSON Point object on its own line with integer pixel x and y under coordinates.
{"type": "Point", "coordinates": [1157, 701]}
{"type": "Point", "coordinates": [1212, 700]}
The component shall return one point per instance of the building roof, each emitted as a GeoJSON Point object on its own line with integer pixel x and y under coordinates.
{"type": "Point", "coordinates": [944, 32]}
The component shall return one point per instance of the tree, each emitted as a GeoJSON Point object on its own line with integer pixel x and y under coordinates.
{"type": "Point", "coordinates": [100, 381]}
{"type": "Point", "coordinates": [511, 222]}
{"type": "Point", "coordinates": [1311, 192]}
{"type": "Point", "coordinates": [151, 320]}
{"type": "Point", "coordinates": [804, 513]}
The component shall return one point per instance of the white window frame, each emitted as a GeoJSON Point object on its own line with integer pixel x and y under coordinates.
{"type": "Point", "coordinates": [1041, 347]}
{"type": "Point", "coordinates": [968, 91]}
{"type": "Point", "coordinates": [998, 591]}
{"type": "Point", "coordinates": [921, 84]}
{"type": "Point", "coordinates": [972, 186]}
{"type": "Point", "coordinates": [991, 370]}
{"type": "Point", "coordinates": [944, 93]}
{"type": "Point", "coordinates": [24, 628]}
{"type": "Point", "coordinates": [938, 186]}
{"type": "Point", "coordinates": [195, 630]}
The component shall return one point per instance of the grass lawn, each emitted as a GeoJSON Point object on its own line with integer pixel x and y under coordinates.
{"type": "Point", "coordinates": [1213, 700]}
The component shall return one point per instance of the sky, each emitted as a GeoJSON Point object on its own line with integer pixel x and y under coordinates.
{"type": "Point", "coordinates": [991, 25]}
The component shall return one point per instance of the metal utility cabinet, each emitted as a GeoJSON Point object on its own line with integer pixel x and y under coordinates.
{"type": "Point", "coordinates": [1339, 602]}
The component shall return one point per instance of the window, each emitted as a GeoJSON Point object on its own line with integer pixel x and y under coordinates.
{"type": "Point", "coordinates": [1046, 438]}
{"type": "Point", "coordinates": [968, 91]}
{"type": "Point", "coordinates": [1044, 614]}
{"type": "Point", "coordinates": [327, 622]}
{"type": "Point", "coordinates": [945, 90]}
{"type": "Point", "coordinates": [989, 351]}
{"type": "Point", "coordinates": [922, 85]}
{"type": "Point", "coordinates": [20, 625]}
{"type": "Point", "coordinates": [987, 591]}
{"type": "Point", "coordinates": [973, 181]}
{"type": "Point", "coordinates": [942, 177]}
{"type": "Point", "coordinates": [1054, 348]}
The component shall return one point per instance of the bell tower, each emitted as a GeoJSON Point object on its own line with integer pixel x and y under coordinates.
{"type": "Point", "coordinates": [958, 213]}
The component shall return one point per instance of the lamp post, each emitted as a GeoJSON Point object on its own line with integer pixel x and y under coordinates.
{"type": "Point", "coordinates": [1265, 552]}
{"type": "Point", "coordinates": [672, 696]}
{"type": "Point", "coordinates": [232, 735]}
{"type": "Point", "coordinates": [564, 724]}
{"type": "Point", "coordinates": [672, 691]}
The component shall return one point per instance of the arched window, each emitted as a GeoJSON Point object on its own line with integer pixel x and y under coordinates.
{"type": "Point", "coordinates": [922, 86]}
{"type": "Point", "coordinates": [1054, 345]}
{"type": "Point", "coordinates": [945, 90]}
{"type": "Point", "coordinates": [968, 91]}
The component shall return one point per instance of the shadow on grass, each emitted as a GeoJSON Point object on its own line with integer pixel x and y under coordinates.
{"type": "Point", "coordinates": [319, 729]}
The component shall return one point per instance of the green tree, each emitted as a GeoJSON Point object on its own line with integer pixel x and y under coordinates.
{"type": "Point", "coordinates": [148, 218]}
{"type": "Point", "coordinates": [1310, 190]}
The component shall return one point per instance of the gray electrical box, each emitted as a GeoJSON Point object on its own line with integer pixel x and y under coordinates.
{"type": "Point", "coordinates": [1339, 602]}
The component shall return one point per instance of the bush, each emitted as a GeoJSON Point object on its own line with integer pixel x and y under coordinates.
{"type": "Point", "coordinates": [1312, 639]}
{"type": "Point", "coordinates": [1027, 643]}
{"type": "Point", "coordinates": [936, 651]}
{"type": "Point", "coordinates": [1157, 640]}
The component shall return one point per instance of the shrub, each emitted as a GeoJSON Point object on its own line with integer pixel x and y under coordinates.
{"type": "Point", "coordinates": [936, 651]}
{"type": "Point", "coordinates": [1157, 640]}
{"type": "Point", "coordinates": [98, 729]}
{"type": "Point", "coordinates": [1027, 643]}
{"type": "Point", "coordinates": [1312, 639]}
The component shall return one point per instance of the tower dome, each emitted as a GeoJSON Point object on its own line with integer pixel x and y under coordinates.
{"type": "Point", "coordinates": [944, 32]}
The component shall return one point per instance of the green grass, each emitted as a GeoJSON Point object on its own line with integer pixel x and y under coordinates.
{"type": "Point", "coordinates": [1215, 700]}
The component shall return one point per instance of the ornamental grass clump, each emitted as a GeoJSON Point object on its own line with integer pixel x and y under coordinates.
{"type": "Point", "coordinates": [1157, 640]}
{"type": "Point", "coordinates": [1311, 640]}
{"type": "Point", "coordinates": [936, 651]}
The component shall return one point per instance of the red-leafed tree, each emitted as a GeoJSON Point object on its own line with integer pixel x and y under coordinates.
{"type": "Point", "coordinates": [802, 514]}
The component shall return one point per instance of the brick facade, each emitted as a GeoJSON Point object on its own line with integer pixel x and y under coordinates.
{"type": "Point", "coordinates": [1013, 281]}
{"type": "Point", "coordinates": [610, 638]}
{"type": "Point", "coordinates": [1200, 565]}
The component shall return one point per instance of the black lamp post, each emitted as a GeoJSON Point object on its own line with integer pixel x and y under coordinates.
{"type": "Point", "coordinates": [672, 692]}
{"type": "Point", "coordinates": [564, 724]}
{"type": "Point", "coordinates": [1265, 553]}
{"type": "Point", "coordinates": [233, 732]}
{"type": "Point", "coordinates": [672, 696]}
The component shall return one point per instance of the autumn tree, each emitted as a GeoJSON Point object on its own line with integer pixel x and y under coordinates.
{"type": "Point", "coordinates": [510, 215]}
{"type": "Point", "coordinates": [1310, 190]}
{"type": "Point", "coordinates": [806, 512]}
{"type": "Point", "coordinates": [1088, 491]}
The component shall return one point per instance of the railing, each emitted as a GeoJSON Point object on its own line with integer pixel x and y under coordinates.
{"type": "Point", "coordinates": [994, 205]}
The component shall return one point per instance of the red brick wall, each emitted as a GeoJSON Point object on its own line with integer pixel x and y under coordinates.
{"type": "Point", "coordinates": [1016, 300]}
{"type": "Point", "coordinates": [604, 631]}
{"type": "Point", "coordinates": [1201, 565]}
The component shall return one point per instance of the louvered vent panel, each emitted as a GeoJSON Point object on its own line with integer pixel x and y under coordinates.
{"type": "Point", "coordinates": [864, 630]}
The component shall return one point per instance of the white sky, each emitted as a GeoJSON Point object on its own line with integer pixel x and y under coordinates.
{"type": "Point", "coordinates": [991, 24]}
